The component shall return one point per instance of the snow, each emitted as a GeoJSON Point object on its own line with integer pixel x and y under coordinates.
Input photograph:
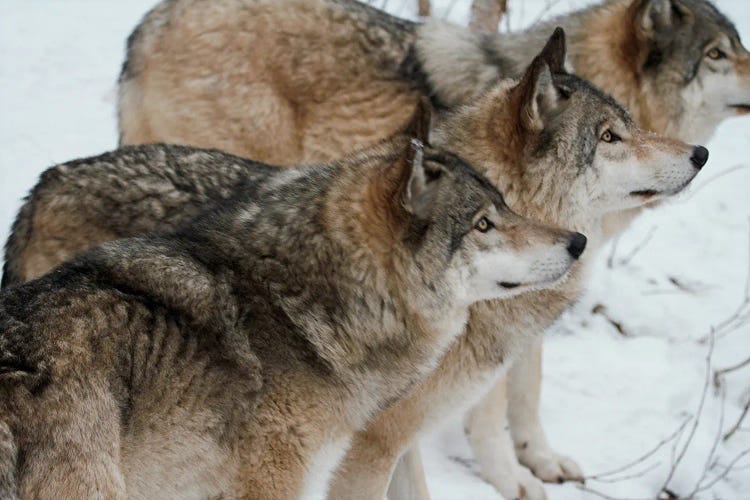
{"type": "Point", "coordinates": [608, 397]}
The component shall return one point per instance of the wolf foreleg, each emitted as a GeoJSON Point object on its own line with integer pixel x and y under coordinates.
{"type": "Point", "coordinates": [487, 429]}
{"type": "Point", "coordinates": [408, 478]}
{"type": "Point", "coordinates": [532, 448]}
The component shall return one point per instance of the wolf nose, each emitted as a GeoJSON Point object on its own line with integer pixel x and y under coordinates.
{"type": "Point", "coordinates": [576, 245]}
{"type": "Point", "coordinates": [700, 156]}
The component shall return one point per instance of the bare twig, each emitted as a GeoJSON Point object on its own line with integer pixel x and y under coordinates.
{"type": "Point", "coordinates": [726, 471]}
{"type": "Point", "coordinates": [603, 495]}
{"type": "Point", "coordinates": [719, 374]}
{"type": "Point", "coordinates": [626, 260]}
{"type": "Point", "coordinates": [741, 315]}
{"type": "Point", "coordinates": [643, 457]}
{"type": "Point", "coordinates": [710, 181]}
{"type": "Point", "coordinates": [424, 8]}
{"type": "Point", "coordinates": [737, 425]}
{"type": "Point", "coordinates": [601, 310]}
{"type": "Point", "coordinates": [486, 15]}
{"type": "Point", "coordinates": [613, 252]}
{"type": "Point", "coordinates": [629, 476]}
{"type": "Point", "coordinates": [696, 420]}
{"type": "Point", "coordinates": [712, 452]}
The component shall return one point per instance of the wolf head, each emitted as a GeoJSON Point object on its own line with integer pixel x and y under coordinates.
{"type": "Point", "coordinates": [454, 229]}
{"type": "Point", "coordinates": [563, 151]}
{"type": "Point", "coordinates": [692, 68]}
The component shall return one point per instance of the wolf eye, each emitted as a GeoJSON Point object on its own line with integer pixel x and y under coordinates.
{"type": "Point", "coordinates": [716, 54]}
{"type": "Point", "coordinates": [483, 225]}
{"type": "Point", "coordinates": [609, 136]}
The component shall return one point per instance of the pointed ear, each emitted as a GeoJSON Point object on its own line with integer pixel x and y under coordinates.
{"type": "Point", "coordinates": [422, 183]}
{"type": "Point", "coordinates": [419, 124]}
{"type": "Point", "coordinates": [554, 51]}
{"type": "Point", "coordinates": [653, 17]}
{"type": "Point", "coordinates": [539, 96]}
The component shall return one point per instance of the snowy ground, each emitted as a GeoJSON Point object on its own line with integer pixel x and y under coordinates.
{"type": "Point", "coordinates": [609, 396]}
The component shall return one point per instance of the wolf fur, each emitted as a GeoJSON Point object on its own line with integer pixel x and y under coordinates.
{"type": "Point", "coordinates": [235, 353]}
{"type": "Point", "coordinates": [540, 138]}
{"type": "Point", "coordinates": [351, 71]}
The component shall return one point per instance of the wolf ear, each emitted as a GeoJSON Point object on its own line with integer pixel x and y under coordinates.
{"type": "Point", "coordinates": [554, 51]}
{"type": "Point", "coordinates": [419, 125]}
{"type": "Point", "coordinates": [655, 17]}
{"type": "Point", "coordinates": [422, 184]}
{"type": "Point", "coordinates": [539, 95]}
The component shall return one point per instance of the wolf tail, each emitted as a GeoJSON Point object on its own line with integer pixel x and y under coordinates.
{"type": "Point", "coordinates": [20, 235]}
{"type": "Point", "coordinates": [8, 462]}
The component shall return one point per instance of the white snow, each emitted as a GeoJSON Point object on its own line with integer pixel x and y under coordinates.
{"type": "Point", "coordinates": [607, 397]}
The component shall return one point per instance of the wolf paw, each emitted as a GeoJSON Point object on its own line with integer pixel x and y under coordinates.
{"type": "Point", "coordinates": [549, 466]}
{"type": "Point", "coordinates": [518, 484]}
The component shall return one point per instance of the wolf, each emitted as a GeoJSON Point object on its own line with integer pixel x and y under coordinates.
{"type": "Point", "coordinates": [229, 75]}
{"type": "Point", "coordinates": [237, 355]}
{"type": "Point", "coordinates": [565, 152]}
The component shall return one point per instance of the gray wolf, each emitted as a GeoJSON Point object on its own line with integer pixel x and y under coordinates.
{"type": "Point", "coordinates": [229, 76]}
{"type": "Point", "coordinates": [565, 152]}
{"type": "Point", "coordinates": [235, 356]}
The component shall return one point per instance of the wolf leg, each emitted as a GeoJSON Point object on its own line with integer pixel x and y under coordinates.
{"type": "Point", "coordinates": [71, 444]}
{"type": "Point", "coordinates": [366, 469]}
{"type": "Point", "coordinates": [533, 451]}
{"type": "Point", "coordinates": [487, 429]}
{"type": "Point", "coordinates": [408, 478]}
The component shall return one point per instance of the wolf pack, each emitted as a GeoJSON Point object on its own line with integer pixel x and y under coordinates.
{"type": "Point", "coordinates": [326, 231]}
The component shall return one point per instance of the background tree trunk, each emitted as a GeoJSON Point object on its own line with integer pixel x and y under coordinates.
{"type": "Point", "coordinates": [486, 14]}
{"type": "Point", "coordinates": [424, 8]}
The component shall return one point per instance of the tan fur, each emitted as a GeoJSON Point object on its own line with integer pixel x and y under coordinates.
{"type": "Point", "coordinates": [226, 359]}
{"type": "Point", "coordinates": [295, 111]}
{"type": "Point", "coordinates": [301, 102]}
{"type": "Point", "coordinates": [608, 56]}
{"type": "Point", "coordinates": [488, 133]}
{"type": "Point", "coordinates": [54, 236]}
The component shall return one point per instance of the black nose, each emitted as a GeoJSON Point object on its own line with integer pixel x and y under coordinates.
{"type": "Point", "coordinates": [700, 156]}
{"type": "Point", "coordinates": [576, 245]}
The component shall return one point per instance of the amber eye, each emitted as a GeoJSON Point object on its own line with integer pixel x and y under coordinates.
{"type": "Point", "coordinates": [483, 225]}
{"type": "Point", "coordinates": [716, 54]}
{"type": "Point", "coordinates": [609, 136]}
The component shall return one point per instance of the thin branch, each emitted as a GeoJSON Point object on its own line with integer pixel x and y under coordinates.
{"type": "Point", "coordinates": [626, 260]}
{"type": "Point", "coordinates": [719, 374]}
{"type": "Point", "coordinates": [737, 425]}
{"type": "Point", "coordinates": [712, 452]}
{"type": "Point", "coordinates": [726, 471]}
{"type": "Point", "coordinates": [486, 15]}
{"type": "Point", "coordinates": [693, 192]}
{"type": "Point", "coordinates": [741, 315]}
{"type": "Point", "coordinates": [696, 420]}
{"type": "Point", "coordinates": [629, 476]}
{"type": "Point", "coordinates": [601, 310]}
{"type": "Point", "coordinates": [643, 457]}
{"type": "Point", "coordinates": [603, 495]}
{"type": "Point", "coordinates": [424, 8]}
{"type": "Point", "coordinates": [613, 252]}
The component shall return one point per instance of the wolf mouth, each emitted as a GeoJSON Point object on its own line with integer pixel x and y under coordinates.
{"type": "Point", "coordinates": [508, 285]}
{"type": "Point", "coordinates": [742, 108]}
{"type": "Point", "coordinates": [645, 192]}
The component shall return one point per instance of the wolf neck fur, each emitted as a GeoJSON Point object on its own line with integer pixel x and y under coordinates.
{"type": "Point", "coordinates": [461, 65]}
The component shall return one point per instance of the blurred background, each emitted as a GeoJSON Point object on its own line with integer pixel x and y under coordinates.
{"type": "Point", "coordinates": [629, 370]}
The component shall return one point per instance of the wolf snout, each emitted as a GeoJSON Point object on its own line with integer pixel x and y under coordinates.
{"type": "Point", "coordinates": [700, 156]}
{"type": "Point", "coordinates": [576, 245]}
